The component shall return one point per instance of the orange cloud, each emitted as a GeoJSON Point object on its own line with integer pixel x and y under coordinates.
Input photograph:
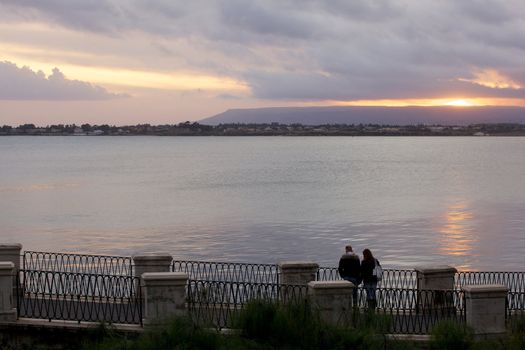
{"type": "Point", "coordinates": [493, 79]}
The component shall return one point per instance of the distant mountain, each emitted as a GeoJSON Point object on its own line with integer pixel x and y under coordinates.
{"type": "Point", "coordinates": [444, 115]}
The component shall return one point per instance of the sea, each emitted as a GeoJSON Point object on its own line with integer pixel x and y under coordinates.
{"type": "Point", "coordinates": [413, 201]}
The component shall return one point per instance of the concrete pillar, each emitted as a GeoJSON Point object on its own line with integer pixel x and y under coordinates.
{"type": "Point", "coordinates": [164, 295]}
{"type": "Point", "coordinates": [297, 272]}
{"type": "Point", "coordinates": [485, 308]}
{"type": "Point", "coordinates": [434, 284]}
{"type": "Point", "coordinates": [333, 300]}
{"type": "Point", "coordinates": [292, 274]}
{"type": "Point", "coordinates": [436, 277]}
{"type": "Point", "coordinates": [11, 252]}
{"type": "Point", "coordinates": [7, 302]}
{"type": "Point", "coordinates": [150, 262]}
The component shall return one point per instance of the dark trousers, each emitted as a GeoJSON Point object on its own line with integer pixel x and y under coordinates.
{"type": "Point", "coordinates": [356, 282]}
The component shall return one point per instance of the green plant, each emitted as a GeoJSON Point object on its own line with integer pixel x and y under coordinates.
{"type": "Point", "coordinates": [451, 335]}
{"type": "Point", "coordinates": [298, 326]}
{"type": "Point", "coordinates": [516, 336]}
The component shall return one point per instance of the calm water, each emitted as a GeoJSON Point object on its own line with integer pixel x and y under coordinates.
{"type": "Point", "coordinates": [459, 201]}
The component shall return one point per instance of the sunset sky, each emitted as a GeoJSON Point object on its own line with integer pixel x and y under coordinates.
{"type": "Point", "coordinates": [127, 62]}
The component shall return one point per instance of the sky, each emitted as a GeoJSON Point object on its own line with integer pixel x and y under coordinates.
{"type": "Point", "coordinates": [162, 61]}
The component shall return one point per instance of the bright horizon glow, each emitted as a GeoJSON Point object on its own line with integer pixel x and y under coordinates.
{"type": "Point", "coordinates": [459, 103]}
{"type": "Point", "coordinates": [455, 102]}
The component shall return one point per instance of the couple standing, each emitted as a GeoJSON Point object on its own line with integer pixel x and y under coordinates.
{"type": "Point", "coordinates": [352, 269]}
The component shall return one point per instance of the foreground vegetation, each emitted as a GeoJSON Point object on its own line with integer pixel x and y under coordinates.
{"type": "Point", "coordinates": [260, 326]}
{"type": "Point", "coordinates": [263, 326]}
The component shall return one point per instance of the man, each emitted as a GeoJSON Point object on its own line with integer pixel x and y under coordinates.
{"type": "Point", "coordinates": [350, 269]}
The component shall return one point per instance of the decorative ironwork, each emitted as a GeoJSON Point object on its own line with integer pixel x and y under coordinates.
{"type": "Point", "coordinates": [78, 297]}
{"type": "Point", "coordinates": [217, 303]}
{"type": "Point", "coordinates": [82, 287]}
{"type": "Point", "coordinates": [515, 305]}
{"type": "Point", "coordinates": [392, 278]}
{"type": "Point", "coordinates": [228, 271]}
{"type": "Point", "coordinates": [77, 263]}
{"type": "Point", "coordinates": [515, 281]}
{"type": "Point", "coordinates": [410, 311]}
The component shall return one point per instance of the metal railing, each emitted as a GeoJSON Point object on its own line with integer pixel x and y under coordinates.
{"type": "Point", "coordinates": [406, 311]}
{"type": "Point", "coordinates": [409, 311]}
{"type": "Point", "coordinates": [77, 263]}
{"type": "Point", "coordinates": [515, 305]}
{"type": "Point", "coordinates": [515, 281]}
{"type": "Point", "coordinates": [81, 287]}
{"type": "Point", "coordinates": [392, 278]}
{"type": "Point", "coordinates": [228, 271]}
{"type": "Point", "coordinates": [78, 297]}
{"type": "Point", "coordinates": [217, 303]}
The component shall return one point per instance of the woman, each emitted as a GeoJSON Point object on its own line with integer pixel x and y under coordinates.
{"type": "Point", "coordinates": [369, 280]}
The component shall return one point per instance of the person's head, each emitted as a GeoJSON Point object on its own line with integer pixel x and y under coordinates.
{"type": "Point", "coordinates": [348, 249]}
{"type": "Point", "coordinates": [367, 255]}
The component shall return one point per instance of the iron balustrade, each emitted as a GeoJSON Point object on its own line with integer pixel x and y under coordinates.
{"type": "Point", "coordinates": [392, 278]}
{"type": "Point", "coordinates": [515, 281]}
{"type": "Point", "coordinates": [77, 263]}
{"type": "Point", "coordinates": [217, 303]}
{"type": "Point", "coordinates": [78, 297]}
{"type": "Point", "coordinates": [410, 311]}
{"type": "Point", "coordinates": [228, 271]}
{"type": "Point", "coordinates": [66, 276]}
{"type": "Point", "coordinates": [406, 311]}
{"type": "Point", "coordinates": [515, 305]}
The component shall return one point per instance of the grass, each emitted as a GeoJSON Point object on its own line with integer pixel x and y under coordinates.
{"type": "Point", "coordinates": [261, 326]}
{"type": "Point", "coordinates": [267, 326]}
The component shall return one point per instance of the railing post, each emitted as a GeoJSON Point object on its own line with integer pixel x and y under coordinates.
{"type": "Point", "coordinates": [151, 262]}
{"type": "Point", "coordinates": [7, 302]}
{"type": "Point", "coordinates": [293, 273]}
{"type": "Point", "coordinates": [485, 309]}
{"type": "Point", "coordinates": [297, 272]}
{"type": "Point", "coordinates": [11, 252]}
{"type": "Point", "coordinates": [333, 300]}
{"type": "Point", "coordinates": [439, 280]}
{"type": "Point", "coordinates": [164, 295]}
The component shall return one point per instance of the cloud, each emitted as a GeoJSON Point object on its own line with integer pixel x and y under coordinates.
{"type": "Point", "coordinates": [309, 49]}
{"type": "Point", "coordinates": [26, 84]}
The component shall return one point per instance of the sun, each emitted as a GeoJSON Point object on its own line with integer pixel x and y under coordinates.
{"type": "Point", "coordinates": [459, 103]}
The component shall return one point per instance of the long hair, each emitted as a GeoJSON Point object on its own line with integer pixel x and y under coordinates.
{"type": "Point", "coordinates": [367, 255]}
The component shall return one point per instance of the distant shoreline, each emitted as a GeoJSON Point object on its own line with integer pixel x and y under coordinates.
{"type": "Point", "coordinates": [271, 129]}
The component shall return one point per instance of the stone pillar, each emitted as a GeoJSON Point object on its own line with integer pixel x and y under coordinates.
{"type": "Point", "coordinates": [436, 277]}
{"type": "Point", "coordinates": [151, 262]}
{"type": "Point", "coordinates": [11, 252]}
{"type": "Point", "coordinates": [164, 295]}
{"type": "Point", "coordinates": [333, 300]}
{"type": "Point", "coordinates": [7, 302]}
{"type": "Point", "coordinates": [435, 285]}
{"type": "Point", "coordinates": [292, 274]}
{"type": "Point", "coordinates": [297, 272]}
{"type": "Point", "coordinates": [485, 308]}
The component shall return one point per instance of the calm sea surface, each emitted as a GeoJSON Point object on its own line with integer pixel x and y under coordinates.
{"type": "Point", "coordinates": [412, 200]}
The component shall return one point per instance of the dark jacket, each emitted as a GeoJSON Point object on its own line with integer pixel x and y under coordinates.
{"type": "Point", "coordinates": [367, 268]}
{"type": "Point", "coordinates": [350, 266]}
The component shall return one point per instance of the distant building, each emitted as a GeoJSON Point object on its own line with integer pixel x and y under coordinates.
{"type": "Point", "coordinates": [78, 131]}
